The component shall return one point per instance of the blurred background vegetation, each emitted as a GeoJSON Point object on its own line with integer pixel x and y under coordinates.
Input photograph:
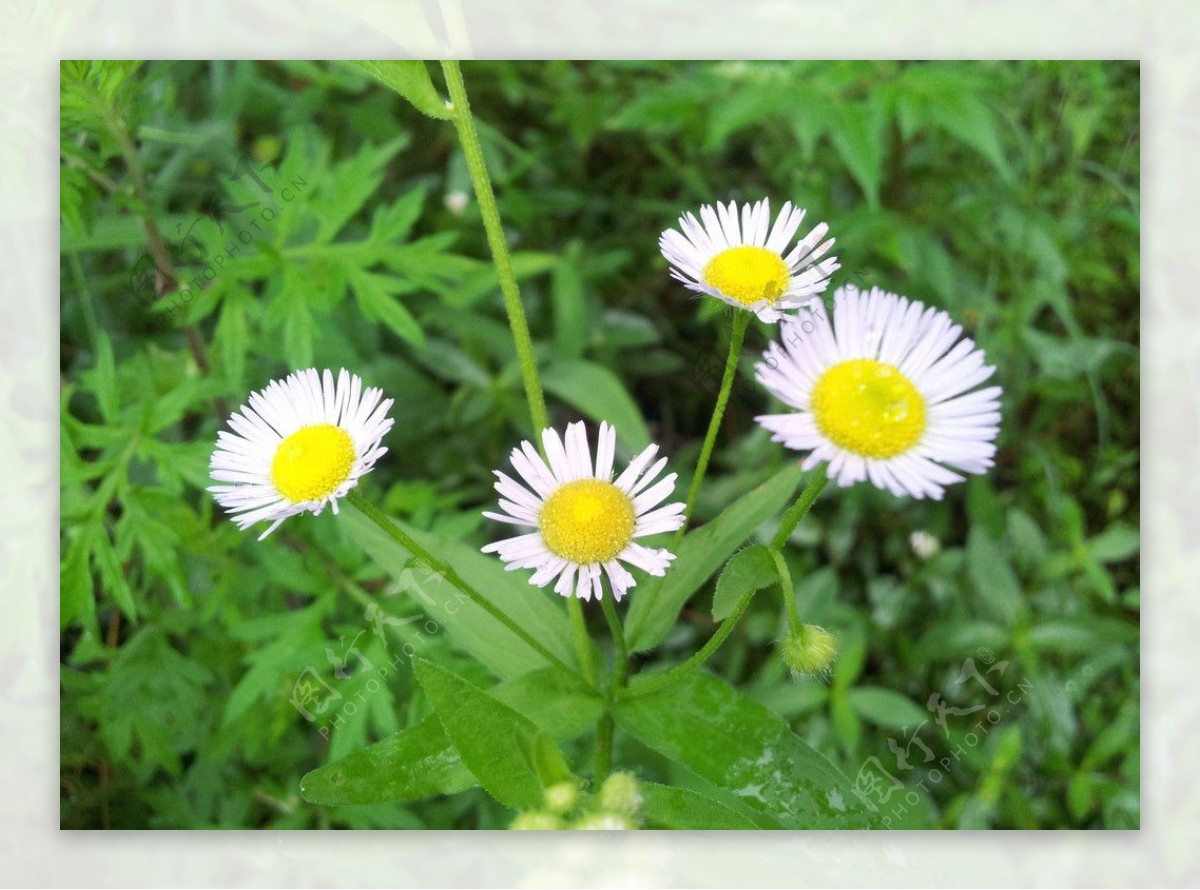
{"type": "Point", "coordinates": [1005, 193]}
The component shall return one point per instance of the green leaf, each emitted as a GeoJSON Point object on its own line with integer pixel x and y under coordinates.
{"type": "Point", "coordinates": [1115, 544]}
{"type": "Point", "coordinates": [376, 297]}
{"type": "Point", "coordinates": [960, 637]}
{"type": "Point", "coordinates": [409, 78]}
{"type": "Point", "coordinates": [414, 763]}
{"type": "Point", "coordinates": [570, 328]}
{"type": "Point", "coordinates": [656, 604]}
{"type": "Point", "coordinates": [493, 739]}
{"type": "Point", "coordinates": [679, 808]}
{"type": "Point", "coordinates": [559, 703]}
{"type": "Point", "coordinates": [738, 745]}
{"type": "Point", "coordinates": [104, 378]}
{"type": "Point", "coordinates": [112, 573]}
{"type": "Point", "coordinates": [1082, 634]}
{"type": "Point", "coordinates": [858, 137]}
{"type": "Point", "coordinates": [749, 570]}
{"type": "Point", "coordinates": [600, 394]}
{"type": "Point", "coordinates": [993, 577]}
{"type": "Point", "coordinates": [886, 708]}
{"type": "Point", "coordinates": [473, 629]}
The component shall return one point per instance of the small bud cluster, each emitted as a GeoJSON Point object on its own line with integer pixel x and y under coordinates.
{"type": "Point", "coordinates": [614, 807]}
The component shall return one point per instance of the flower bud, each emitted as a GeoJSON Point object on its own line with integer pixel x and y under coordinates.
{"type": "Point", "coordinates": [811, 651]}
{"type": "Point", "coordinates": [561, 797]}
{"type": "Point", "coordinates": [605, 822]}
{"type": "Point", "coordinates": [620, 794]}
{"type": "Point", "coordinates": [536, 820]}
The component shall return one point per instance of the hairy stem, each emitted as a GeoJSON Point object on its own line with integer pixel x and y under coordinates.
{"type": "Point", "coordinates": [738, 334]}
{"type": "Point", "coordinates": [464, 123]}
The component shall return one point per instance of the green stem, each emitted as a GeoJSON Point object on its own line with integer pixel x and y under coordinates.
{"type": "Point", "coordinates": [787, 525]}
{"type": "Point", "coordinates": [740, 321]}
{"type": "Point", "coordinates": [800, 509]}
{"type": "Point", "coordinates": [788, 592]}
{"type": "Point", "coordinates": [604, 738]}
{"type": "Point", "coordinates": [621, 658]}
{"type": "Point", "coordinates": [393, 531]}
{"type": "Point", "coordinates": [677, 673]}
{"type": "Point", "coordinates": [583, 642]}
{"type": "Point", "coordinates": [605, 725]}
{"type": "Point", "coordinates": [464, 123]}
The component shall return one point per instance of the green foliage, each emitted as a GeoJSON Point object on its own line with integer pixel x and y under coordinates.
{"type": "Point", "coordinates": [307, 213]}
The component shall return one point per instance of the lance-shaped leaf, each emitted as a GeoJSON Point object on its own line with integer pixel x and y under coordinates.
{"type": "Point", "coordinates": [416, 762]}
{"type": "Point", "coordinates": [736, 744]}
{"type": "Point", "coordinates": [506, 752]}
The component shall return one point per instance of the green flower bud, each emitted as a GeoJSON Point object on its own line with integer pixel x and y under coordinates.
{"type": "Point", "coordinates": [620, 794]}
{"type": "Point", "coordinates": [536, 820]}
{"type": "Point", "coordinates": [561, 797]}
{"type": "Point", "coordinates": [812, 651]}
{"type": "Point", "coordinates": [605, 822]}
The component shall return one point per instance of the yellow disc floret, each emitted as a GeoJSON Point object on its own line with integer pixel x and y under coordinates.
{"type": "Point", "coordinates": [868, 408]}
{"type": "Point", "coordinates": [748, 274]}
{"type": "Point", "coordinates": [312, 462]}
{"type": "Point", "coordinates": [587, 521]}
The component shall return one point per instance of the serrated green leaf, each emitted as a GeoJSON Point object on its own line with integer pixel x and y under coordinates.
{"type": "Point", "coordinates": [112, 573]}
{"type": "Point", "coordinates": [749, 570]}
{"type": "Point", "coordinates": [657, 604]}
{"type": "Point", "coordinates": [104, 378]}
{"type": "Point", "coordinates": [738, 745]}
{"type": "Point", "coordinates": [600, 394]}
{"type": "Point", "coordinates": [858, 137]}
{"type": "Point", "coordinates": [414, 763]}
{"type": "Point", "coordinates": [409, 78]}
{"type": "Point", "coordinates": [679, 808]}
{"type": "Point", "coordinates": [492, 739]}
{"type": "Point", "coordinates": [375, 295]}
{"type": "Point", "coordinates": [885, 707]}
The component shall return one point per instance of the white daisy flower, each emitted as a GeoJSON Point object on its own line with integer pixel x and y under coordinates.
{"type": "Point", "coordinates": [299, 444]}
{"type": "Point", "coordinates": [744, 264]}
{"type": "Point", "coordinates": [884, 394]}
{"type": "Point", "coordinates": [585, 522]}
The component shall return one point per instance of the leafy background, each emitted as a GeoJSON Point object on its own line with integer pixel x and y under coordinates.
{"type": "Point", "coordinates": [1005, 193]}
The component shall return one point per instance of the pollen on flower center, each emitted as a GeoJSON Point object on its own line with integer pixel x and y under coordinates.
{"type": "Point", "coordinates": [748, 274]}
{"type": "Point", "coordinates": [312, 462]}
{"type": "Point", "coordinates": [869, 408]}
{"type": "Point", "coordinates": [587, 521]}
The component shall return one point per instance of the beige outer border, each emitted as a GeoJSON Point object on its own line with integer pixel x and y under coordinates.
{"type": "Point", "coordinates": [37, 33]}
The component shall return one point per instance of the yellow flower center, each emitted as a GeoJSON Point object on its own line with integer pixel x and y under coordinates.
{"type": "Point", "coordinates": [748, 274]}
{"type": "Point", "coordinates": [312, 462]}
{"type": "Point", "coordinates": [587, 521]}
{"type": "Point", "coordinates": [868, 408]}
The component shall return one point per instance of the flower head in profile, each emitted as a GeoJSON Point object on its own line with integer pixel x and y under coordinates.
{"type": "Point", "coordinates": [298, 445]}
{"type": "Point", "coordinates": [885, 393]}
{"type": "Point", "coordinates": [739, 257]}
{"type": "Point", "coordinates": [584, 523]}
